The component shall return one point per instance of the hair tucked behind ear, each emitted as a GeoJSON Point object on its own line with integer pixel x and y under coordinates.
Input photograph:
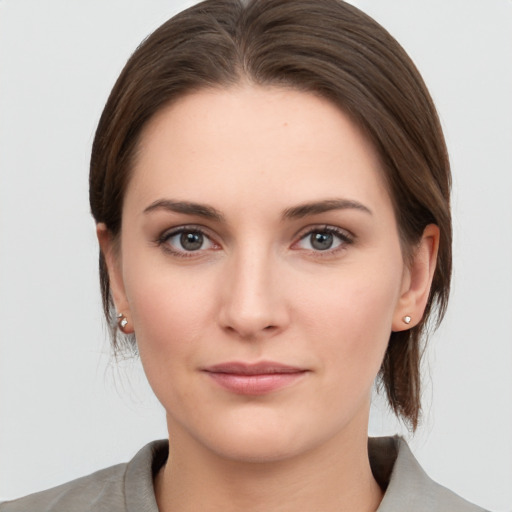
{"type": "Point", "coordinates": [327, 47]}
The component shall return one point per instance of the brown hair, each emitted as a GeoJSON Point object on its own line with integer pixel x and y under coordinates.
{"type": "Point", "coordinates": [327, 47]}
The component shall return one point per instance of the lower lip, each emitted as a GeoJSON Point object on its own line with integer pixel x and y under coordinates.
{"type": "Point", "coordinates": [254, 385]}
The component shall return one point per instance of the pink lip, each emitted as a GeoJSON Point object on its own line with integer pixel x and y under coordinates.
{"type": "Point", "coordinates": [254, 379]}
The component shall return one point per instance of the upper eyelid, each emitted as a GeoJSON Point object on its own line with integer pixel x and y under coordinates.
{"type": "Point", "coordinates": [186, 227]}
{"type": "Point", "coordinates": [324, 227]}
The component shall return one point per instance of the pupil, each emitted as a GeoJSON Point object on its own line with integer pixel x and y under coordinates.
{"type": "Point", "coordinates": [322, 241]}
{"type": "Point", "coordinates": [191, 241]}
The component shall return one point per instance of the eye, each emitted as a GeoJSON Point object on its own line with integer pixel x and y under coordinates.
{"type": "Point", "coordinates": [324, 239]}
{"type": "Point", "coordinates": [186, 240]}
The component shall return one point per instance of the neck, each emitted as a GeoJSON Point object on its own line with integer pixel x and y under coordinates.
{"type": "Point", "coordinates": [334, 477]}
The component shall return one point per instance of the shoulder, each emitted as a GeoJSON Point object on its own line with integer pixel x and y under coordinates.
{"type": "Point", "coordinates": [408, 486]}
{"type": "Point", "coordinates": [111, 489]}
{"type": "Point", "coordinates": [103, 487]}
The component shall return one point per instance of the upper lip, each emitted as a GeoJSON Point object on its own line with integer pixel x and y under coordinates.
{"type": "Point", "coordinates": [260, 368]}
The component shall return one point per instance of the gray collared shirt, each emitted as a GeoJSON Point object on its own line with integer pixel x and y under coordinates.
{"type": "Point", "coordinates": [129, 487]}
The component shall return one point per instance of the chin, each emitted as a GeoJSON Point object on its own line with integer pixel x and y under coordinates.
{"type": "Point", "coordinates": [266, 439]}
{"type": "Point", "coordinates": [252, 438]}
{"type": "Point", "coordinates": [265, 447]}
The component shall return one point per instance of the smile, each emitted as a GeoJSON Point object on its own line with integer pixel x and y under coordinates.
{"type": "Point", "coordinates": [254, 379]}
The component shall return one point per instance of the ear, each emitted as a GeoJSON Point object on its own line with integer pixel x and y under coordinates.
{"type": "Point", "coordinates": [417, 280]}
{"type": "Point", "coordinates": [112, 256]}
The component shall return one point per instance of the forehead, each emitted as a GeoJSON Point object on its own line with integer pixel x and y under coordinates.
{"type": "Point", "coordinates": [232, 143]}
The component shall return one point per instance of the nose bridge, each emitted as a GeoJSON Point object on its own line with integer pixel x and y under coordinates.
{"type": "Point", "coordinates": [252, 302]}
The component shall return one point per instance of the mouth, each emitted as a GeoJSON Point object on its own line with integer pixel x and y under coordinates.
{"type": "Point", "coordinates": [254, 379]}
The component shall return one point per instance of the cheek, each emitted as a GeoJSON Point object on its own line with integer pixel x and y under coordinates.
{"type": "Point", "coordinates": [170, 307]}
{"type": "Point", "coordinates": [352, 318]}
{"type": "Point", "coordinates": [172, 319]}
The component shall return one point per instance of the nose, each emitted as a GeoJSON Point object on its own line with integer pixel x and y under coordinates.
{"type": "Point", "coordinates": [253, 299]}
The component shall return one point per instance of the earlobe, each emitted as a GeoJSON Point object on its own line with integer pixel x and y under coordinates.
{"type": "Point", "coordinates": [417, 281]}
{"type": "Point", "coordinates": [111, 255]}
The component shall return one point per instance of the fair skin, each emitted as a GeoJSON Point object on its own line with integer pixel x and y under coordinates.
{"type": "Point", "coordinates": [256, 229]}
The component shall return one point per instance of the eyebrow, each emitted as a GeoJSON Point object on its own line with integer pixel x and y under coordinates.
{"type": "Point", "coordinates": [189, 208]}
{"type": "Point", "coordinates": [295, 212]}
{"type": "Point", "coordinates": [316, 207]}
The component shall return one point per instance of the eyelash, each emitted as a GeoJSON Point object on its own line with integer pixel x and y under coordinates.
{"type": "Point", "coordinates": [343, 236]}
{"type": "Point", "coordinates": [163, 239]}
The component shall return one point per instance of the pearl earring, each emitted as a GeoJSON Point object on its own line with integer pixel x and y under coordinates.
{"type": "Point", "coordinates": [122, 321]}
{"type": "Point", "coordinates": [406, 319]}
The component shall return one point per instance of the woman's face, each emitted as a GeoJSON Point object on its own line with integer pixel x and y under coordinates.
{"type": "Point", "coordinates": [261, 269]}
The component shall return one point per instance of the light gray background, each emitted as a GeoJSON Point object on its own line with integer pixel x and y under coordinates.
{"type": "Point", "coordinates": [66, 408]}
